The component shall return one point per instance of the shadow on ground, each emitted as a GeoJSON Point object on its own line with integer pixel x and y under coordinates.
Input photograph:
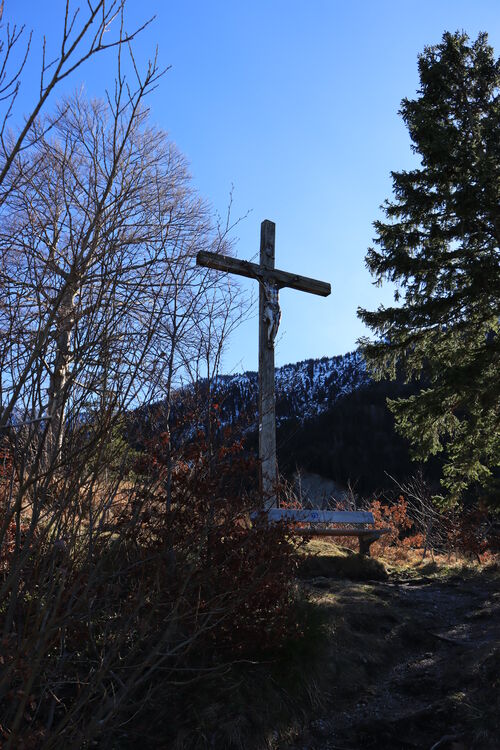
{"type": "Point", "coordinates": [409, 662]}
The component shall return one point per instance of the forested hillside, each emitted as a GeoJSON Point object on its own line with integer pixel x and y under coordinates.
{"type": "Point", "coordinates": [352, 442]}
{"type": "Point", "coordinates": [303, 390]}
{"type": "Point", "coordinates": [332, 419]}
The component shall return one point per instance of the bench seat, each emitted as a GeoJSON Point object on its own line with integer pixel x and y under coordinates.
{"type": "Point", "coordinates": [331, 523]}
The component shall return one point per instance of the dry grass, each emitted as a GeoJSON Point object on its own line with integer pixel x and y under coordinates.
{"type": "Point", "coordinates": [322, 557]}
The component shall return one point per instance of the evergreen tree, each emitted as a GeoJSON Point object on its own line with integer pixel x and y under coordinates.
{"type": "Point", "coordinates": [440, 246]}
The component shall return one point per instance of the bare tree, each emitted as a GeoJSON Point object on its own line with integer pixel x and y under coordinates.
{"type": "Point", "coordinates": [102, 308]}
{"type": "Point", "coordinates": [428, 519]}
{"type": "Point", "coordinates": [85, 33]}
{"type": "Point", "coordinates": [98, 239]}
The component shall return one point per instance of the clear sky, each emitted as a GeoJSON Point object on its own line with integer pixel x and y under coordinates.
{"type": "Point", "coordinates": [295, 103]}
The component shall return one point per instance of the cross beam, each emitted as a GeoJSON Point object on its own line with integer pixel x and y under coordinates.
{"type": "Point", "coordinates": [270, 280]}
{"type": "Point", "coordinates": [254, 271]}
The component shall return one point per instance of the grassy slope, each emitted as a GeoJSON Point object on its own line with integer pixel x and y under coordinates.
{"type": "Point", "coordinates": [412, 653]}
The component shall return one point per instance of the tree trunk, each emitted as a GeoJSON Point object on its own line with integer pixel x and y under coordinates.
{"type": "Point", "coordinates": [58, 387]}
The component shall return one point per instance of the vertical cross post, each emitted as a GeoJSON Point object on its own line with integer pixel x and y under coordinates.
{"type": "Point", "coordinates": [267, 419]}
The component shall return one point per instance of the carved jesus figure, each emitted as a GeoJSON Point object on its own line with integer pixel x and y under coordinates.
{"type": "Point", "coordinates": [272, 312]}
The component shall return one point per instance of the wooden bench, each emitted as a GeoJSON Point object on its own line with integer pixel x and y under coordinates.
{"type": "Point", "coordinates": [358, 523]}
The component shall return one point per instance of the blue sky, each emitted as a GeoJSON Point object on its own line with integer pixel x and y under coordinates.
{"type": "Point", "coordinates": [295, 104]}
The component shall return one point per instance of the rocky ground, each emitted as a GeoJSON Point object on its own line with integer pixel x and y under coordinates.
{"type": "Point", "coordinates": [411, 662]}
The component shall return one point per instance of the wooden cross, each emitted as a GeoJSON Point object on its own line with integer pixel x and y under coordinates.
{"type": "Point", "coordinates": [271, 280]}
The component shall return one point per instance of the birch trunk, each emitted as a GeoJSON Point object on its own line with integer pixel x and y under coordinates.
{"type": "Point", "coordinates": [59, 378]}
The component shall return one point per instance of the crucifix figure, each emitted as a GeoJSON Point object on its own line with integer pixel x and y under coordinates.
{"type": "Point", "coordinates": [271, 280]}
{"type": "Point", "coordinates": [271, 314]}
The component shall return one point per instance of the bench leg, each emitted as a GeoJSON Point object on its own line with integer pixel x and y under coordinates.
{"type": "Point", "coordinates": [364, 544]}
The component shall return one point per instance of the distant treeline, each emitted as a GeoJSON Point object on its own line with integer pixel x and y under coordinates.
{"type": "Point", "coordinates": [354, 441]}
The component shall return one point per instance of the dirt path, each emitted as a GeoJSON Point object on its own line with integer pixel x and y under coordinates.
{"type": "Point", "coordinates": [411, 664]}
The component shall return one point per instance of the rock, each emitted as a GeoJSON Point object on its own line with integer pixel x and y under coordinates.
{"type": "Point", "coordinates": [320, 728]}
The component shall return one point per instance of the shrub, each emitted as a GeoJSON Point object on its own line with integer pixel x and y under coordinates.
{"type": "Point", "coordinates": [112, 610]}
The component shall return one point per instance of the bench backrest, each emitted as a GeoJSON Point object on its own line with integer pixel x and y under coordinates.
{"type": "Point", "coordinates": [320, 516]}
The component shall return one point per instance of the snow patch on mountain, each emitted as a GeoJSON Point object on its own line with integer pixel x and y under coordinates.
{"type": "Point", "coordinates": [303, 390]}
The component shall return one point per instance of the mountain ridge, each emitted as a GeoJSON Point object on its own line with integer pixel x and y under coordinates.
{"type": "Point", "coordinates": [304, 389]}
